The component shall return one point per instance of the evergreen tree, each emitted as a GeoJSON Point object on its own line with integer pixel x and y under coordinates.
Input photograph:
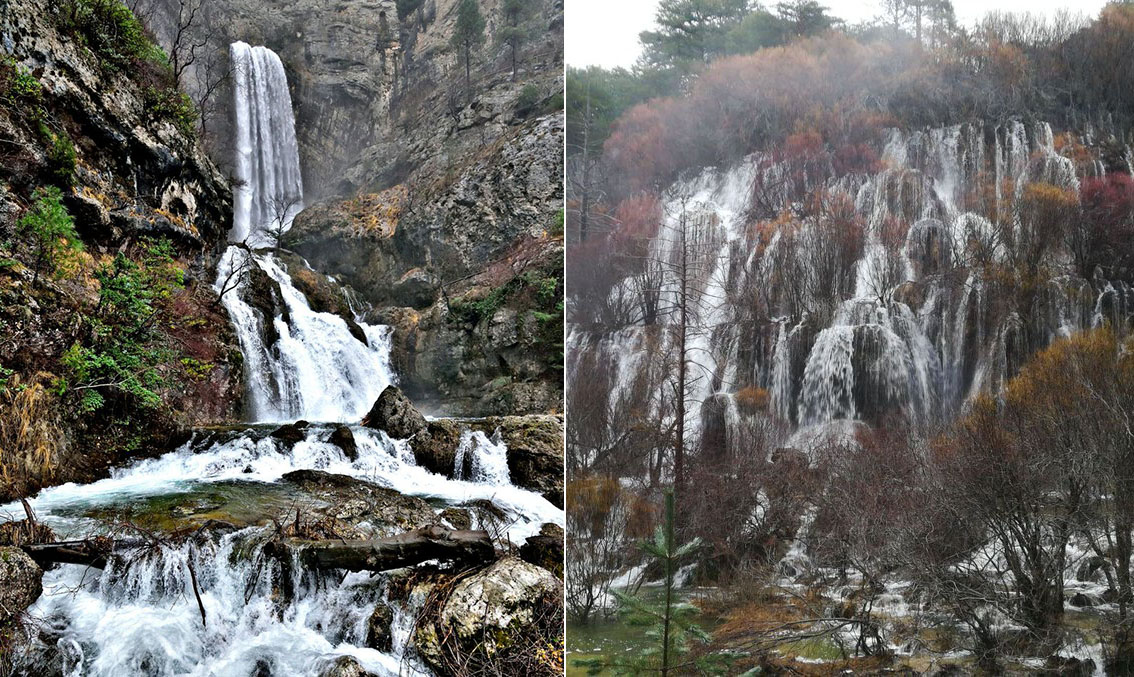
{"type": "Point", "coordinates": [49, 229]}
{"type": "Point", "coordinates": [669, 622]}
{"type": "Point", "coordinates": [511, 33]}
{"type": "Point", "coordinates": [468, 36]}
{"type": "Point", "coordinates": [691, 33]}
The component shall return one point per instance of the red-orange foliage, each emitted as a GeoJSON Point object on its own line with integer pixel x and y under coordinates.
{"type": "Point", "coordinates": [1108, 200]}
{"type": "Point", "coordinates": [814, 90]}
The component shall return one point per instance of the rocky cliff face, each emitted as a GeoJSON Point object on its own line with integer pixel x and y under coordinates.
{"type": "Point", "coordinates": [100, 124]}
{"type": "Point", "coordinates": [422, 193]}
{"type": "Point", "coordinates": [378, 96]}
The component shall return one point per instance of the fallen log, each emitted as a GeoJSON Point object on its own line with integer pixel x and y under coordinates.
{"type": "Point", "coordinates": [91, 552]}
{"type": "Point", "coordinates": [379, 554]}
{"type": "Point", "coordinates": [395, 552]}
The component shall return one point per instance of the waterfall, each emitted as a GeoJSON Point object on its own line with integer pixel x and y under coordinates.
{"type": "Point", "coordinates": [480, 459]}
{"type": "Point", "coordinates": [906, 321]}
{"type": "Point", "coordinates": [270, 188]}
{"type": "Point", "coordinates": [316, 368]}
{"type": "Point", "coordinates": [139, 615]}
{"type": "Point", "coordinates": [262, 615]}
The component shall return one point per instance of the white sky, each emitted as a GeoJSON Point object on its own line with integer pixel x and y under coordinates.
{"type": "Point", "coordinates": [605, 32]}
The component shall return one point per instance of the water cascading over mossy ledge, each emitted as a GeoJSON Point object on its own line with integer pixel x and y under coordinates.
{"type": "Point", "coordinates": [907, 315]}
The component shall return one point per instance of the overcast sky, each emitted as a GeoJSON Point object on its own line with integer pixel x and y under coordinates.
{"type": "Point", "coordinates": [605, 32]}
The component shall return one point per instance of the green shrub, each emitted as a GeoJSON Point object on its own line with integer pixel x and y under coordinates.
{"type": "Point", "coordinates": [407, 7]}
{"type": "Point", "coordinates": [529, 97]}
{"type": "Point", "coordinates": [110, 30]}
{"type": "Point", "coordinates": [124, 350]}
{"type": "Point", "coordinates": [48, 228]}
{"type": "Point", "coordinates": [61, 159]}
{"type": "Point", "coordinates": [174, 106]}
{"type": "Point", "coordinates": [17, 84]}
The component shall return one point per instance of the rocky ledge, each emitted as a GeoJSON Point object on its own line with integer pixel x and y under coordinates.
{"type": "Point", "coordinates": [535, 442]}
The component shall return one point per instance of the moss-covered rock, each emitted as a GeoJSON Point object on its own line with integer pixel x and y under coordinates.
{"type": "Point", "coordinates": [499, 615]}
{"type": "Point", "coordinates": [21, 582]}
{"type": "Point", "coordinates": [362, 504]}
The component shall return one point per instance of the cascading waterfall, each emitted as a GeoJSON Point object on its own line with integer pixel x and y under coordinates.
{"type": "Point", "coordinates": [316, 369]}
{"type": "Point", "coordinates": [140, 615]}
{"type": "Point", "coordinates": [269, 192]}
{"type": "Point", "coordinates": [915, 330]}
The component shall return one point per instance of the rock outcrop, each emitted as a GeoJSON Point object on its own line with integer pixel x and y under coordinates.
{"type": "Point", "coordinates": [490, 614]}
{"type": "Point", "coordinates": [110, 132]}
{"type": "Point", "coordinates": [21, 583]}
{"type": "Point", "coordinates": [395, 414]}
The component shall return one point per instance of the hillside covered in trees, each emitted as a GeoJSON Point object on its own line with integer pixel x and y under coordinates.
{"type": "Point", "coordinates": [861, 296]}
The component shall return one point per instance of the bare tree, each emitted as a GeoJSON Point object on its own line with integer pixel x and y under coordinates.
{"type": "Point", "coordinates": [187, 38]}
{"type": "Point", "coordinates": [283, 211]}
{"type": "Point", "coordinates": [215, 71]}
{"type": "Point", "coordinates": [236, 274]}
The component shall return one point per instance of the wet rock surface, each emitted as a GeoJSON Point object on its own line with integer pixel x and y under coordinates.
{"type": "Point", "coordinates": [545, 549]}
{"type": "Point", "coordinates": [435, 448]}
{"type": "Point", "coordinates": [361, 504]}
{"type": "Point", "coordinates": [21, 582]}
{"type": "Point", "coordinates": [489, 613]}
{"type": "Point", "coordinates": [395, 414]}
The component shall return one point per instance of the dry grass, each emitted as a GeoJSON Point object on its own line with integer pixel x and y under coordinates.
{"type": "Point", "coordinates": [30, 442]}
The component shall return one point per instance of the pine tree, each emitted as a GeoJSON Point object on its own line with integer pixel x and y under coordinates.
{"type": "Point", "coordinates": [48, 227]}
{"type": "Point", "coordinates": [469, 35]}
{"type": "Point", "coordinates": [512, 34]}
{"type": "Point", "coordinates": [669, 622]}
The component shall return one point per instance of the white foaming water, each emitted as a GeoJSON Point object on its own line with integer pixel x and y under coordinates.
{"type": "Point", "coordinates": [487, 459]}
{"type": "Point", "coordinates": [317, 369]}
{"type": "Point", "coordinates": [142, 617]}
{"type": "Point", "coordinates": [911, 327]}
{"type": "Point", "coordinates": [264, 617]}
{"type": "Point", "coordinates": [270, 189]}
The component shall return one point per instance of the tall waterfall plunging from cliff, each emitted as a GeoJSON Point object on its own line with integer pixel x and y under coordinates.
{"type": "Point", "coordinates": [299, 363]}
{"type": "Point", "coordinates": [270, 192]}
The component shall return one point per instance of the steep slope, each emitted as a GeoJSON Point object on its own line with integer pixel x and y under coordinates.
{"type": "Point", "coordinates": [107, 351]}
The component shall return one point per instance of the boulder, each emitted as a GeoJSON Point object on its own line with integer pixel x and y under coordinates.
{"type": "Point", "coordinates": [395, 414]}
{"type": "Point", "coordinates": [378, 628]}
{"type": "Point", "coordinates": [343, 438]}
{"type": "Point", "coordinates": [459, 518]}
{"type": "Point", "coordinates": [435, 448]}
{"type": "Point", "coordinates": [345, 666]}
{"type": "Point", "coordinates": [357, 502]}
{"type": "Point", "coordinates": [1080, 600]}
{"type": "Point", "coordinates": [496, 610]}
{"type": "Point", "coordinates": [21, 582]}
{"type": "Point", "coordinates": [291, 432]}
{"type": "Point", "coordinates": [545, 549]}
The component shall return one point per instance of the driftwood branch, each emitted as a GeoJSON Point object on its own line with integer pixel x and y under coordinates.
{"type": "Point", "coordinates": [383, 554]}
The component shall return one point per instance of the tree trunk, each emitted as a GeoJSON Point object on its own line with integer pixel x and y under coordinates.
{"type": "Point", "coordinates": [92, 552]}
{"type": "Point", "coordinates": [468, 83]}
{"type": "Point", "coordinates": [383, 554]}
